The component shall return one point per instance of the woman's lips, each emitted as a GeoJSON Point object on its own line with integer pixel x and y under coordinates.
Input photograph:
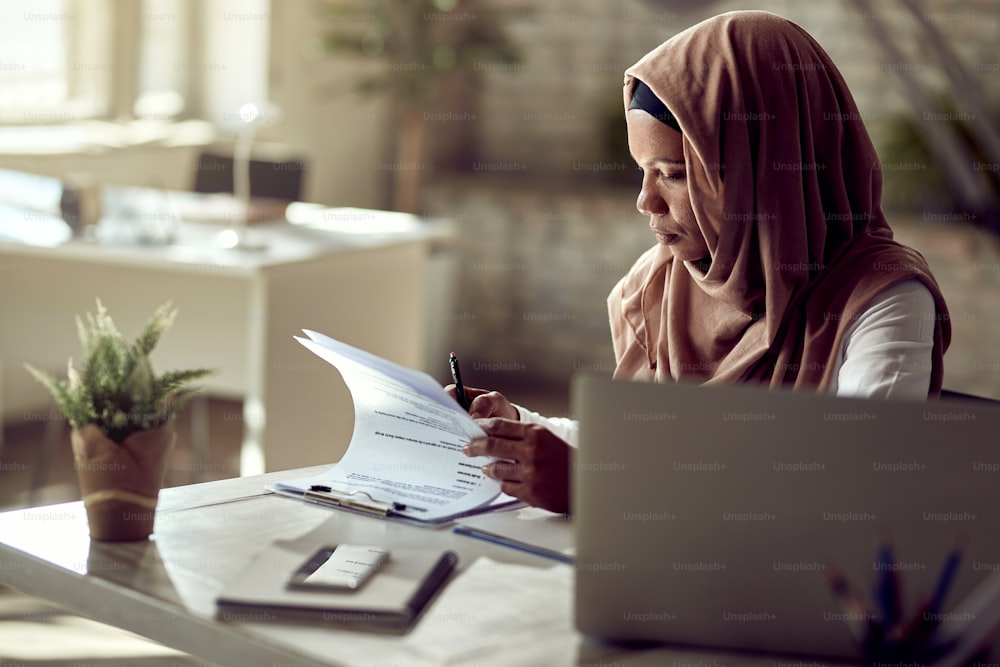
{"type": "Point", "coordinates": [667, 239]}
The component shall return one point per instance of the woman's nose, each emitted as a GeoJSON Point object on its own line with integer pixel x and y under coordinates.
{"type": "Point", "coordinates": [649, 202]}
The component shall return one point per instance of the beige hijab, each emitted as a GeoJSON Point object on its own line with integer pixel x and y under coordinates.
{"type": "Point", "coordinates": [786, 187]}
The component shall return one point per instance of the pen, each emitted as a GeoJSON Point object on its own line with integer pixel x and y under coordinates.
{"type": "Point", "coordinates": [860, 620]}
{"type": "Point", "coordinates": [456, 375]}
{"type": "Point", "coordinates": [947, 574]}
{"type": "Point", "coordinates": [930, 612]}
{"type": "Point", "coordinates": [887, 588]}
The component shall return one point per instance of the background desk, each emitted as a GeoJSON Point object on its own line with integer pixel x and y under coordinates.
{"type": "Point", "coordinates": [165, 588]}
{"type": "Point", "coordinates": [238, 311]}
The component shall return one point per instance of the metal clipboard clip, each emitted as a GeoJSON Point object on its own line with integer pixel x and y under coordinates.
{"type": "Point", "coordinates": [355, 500]}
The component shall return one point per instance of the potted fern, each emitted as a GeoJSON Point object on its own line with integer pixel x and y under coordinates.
{"type": "Point", "coordinates": [120, 412]}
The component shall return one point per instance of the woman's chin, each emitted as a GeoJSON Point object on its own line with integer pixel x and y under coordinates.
{"type": "Point", "coordinates": [686, 253]}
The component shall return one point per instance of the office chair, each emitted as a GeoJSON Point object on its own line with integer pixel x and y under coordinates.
{"type": "Point", "coordinates": [950, 395]}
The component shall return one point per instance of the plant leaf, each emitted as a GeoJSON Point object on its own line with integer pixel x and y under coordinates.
{"type": "Point", "coordinates": [161, 321]}
{"type": "Point", "coordinates": [117, 390]}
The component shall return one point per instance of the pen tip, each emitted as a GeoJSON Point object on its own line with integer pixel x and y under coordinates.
{"type": "Point", "coordinates": [451, 354]}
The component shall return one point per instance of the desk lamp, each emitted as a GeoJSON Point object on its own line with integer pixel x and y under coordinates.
{"type": "Point", "coordinates": [254, 118]}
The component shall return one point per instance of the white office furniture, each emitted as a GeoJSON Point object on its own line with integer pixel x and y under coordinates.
{"type": "Point", "coordinates": [165, 588]}
{"type": "Point", "coordinates": [355, 275]}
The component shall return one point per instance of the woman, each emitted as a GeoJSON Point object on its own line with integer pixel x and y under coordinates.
{"type": "Point", "coordinates": [773, 264]}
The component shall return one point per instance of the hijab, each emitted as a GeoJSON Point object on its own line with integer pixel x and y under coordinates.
{"type": "Point", "coordinates": [786, 186]}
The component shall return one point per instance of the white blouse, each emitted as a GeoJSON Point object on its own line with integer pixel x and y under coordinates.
{"type": "Point", "coordinates": [886, 353]}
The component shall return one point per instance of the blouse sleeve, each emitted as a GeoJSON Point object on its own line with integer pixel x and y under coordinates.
{"type": "Point", "coordinates": [563, 427]}
{"type": "Point", "coordinates": [886, 353]}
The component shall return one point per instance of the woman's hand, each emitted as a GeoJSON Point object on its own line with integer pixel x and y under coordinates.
{"type": "Point", "coordinates": [537, 465]}
{"type": "Point", "coordinates": [485, 403]}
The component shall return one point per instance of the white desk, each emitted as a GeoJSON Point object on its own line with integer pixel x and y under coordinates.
{"type": "Point", "coordinates": [164, 589]}
{"type": "Point", "coordinates": [238, 311]}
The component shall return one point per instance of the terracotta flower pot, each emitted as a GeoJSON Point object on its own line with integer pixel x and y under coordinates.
{"type": "Point", "coordinates": [121, 482]}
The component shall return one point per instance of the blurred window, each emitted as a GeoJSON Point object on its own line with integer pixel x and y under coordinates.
{"type": "Point", "coordinates": [69, 60]}
{"type": "Point", "coordinates": [45, 74]}
{"type": "Point", "coordinates": [165, 75]}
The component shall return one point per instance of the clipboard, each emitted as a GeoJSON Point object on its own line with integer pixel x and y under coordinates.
{"type": "Point", "coordinates": [362, 502]}
{"type": "Point", "coordinates": [405, 459]}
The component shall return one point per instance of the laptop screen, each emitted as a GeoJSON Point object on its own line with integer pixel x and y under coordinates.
{"type": "Point", "coordinates": [716, 516]}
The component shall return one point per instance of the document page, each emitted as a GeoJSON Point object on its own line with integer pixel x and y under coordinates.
{"type": "Point", "coordinates": [529, 622]}
{"type": "Point", "coordinates": [407, 442]}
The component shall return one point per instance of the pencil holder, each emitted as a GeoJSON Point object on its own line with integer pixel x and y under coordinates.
{"type": "Point", "coordinates": [888, 636]}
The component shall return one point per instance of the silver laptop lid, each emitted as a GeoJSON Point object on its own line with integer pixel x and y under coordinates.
{"type": "Point", "coordinates": [710, 515]}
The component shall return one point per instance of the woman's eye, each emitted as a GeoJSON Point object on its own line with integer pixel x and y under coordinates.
{"type": "Point", "coordinates": [664, 176]}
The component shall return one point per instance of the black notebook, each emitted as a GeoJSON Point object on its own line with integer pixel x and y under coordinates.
{"type": "Point", "coordinates": [393, 597]}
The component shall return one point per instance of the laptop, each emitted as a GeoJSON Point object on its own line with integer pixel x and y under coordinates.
{"type": "Point", "coordinates": [711, 516]}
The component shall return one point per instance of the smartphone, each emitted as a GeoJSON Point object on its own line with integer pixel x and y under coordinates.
{"type": "Point", "coordinates": [344, 567]}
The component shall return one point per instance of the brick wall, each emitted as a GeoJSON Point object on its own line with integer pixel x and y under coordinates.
{"type": "Point", "coordinates": [534, 266]}
{"type": "Point", "coordinates": [544, 117]}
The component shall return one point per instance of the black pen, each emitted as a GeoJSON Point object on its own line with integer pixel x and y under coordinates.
{"type": "Point", "coordinates": [456, 375]}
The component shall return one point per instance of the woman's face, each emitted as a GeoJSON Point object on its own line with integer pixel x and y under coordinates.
{"type": "Point", "coordinates": [658, 150]}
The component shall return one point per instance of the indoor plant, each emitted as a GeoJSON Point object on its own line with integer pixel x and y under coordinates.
{"type": "Point", "coordinates": [120, 412]}
{"type": "Point", "coordinates": [431, 52]}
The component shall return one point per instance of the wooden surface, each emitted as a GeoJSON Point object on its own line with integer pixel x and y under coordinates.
{"type": "Point", "coordinates": [165, 588]}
